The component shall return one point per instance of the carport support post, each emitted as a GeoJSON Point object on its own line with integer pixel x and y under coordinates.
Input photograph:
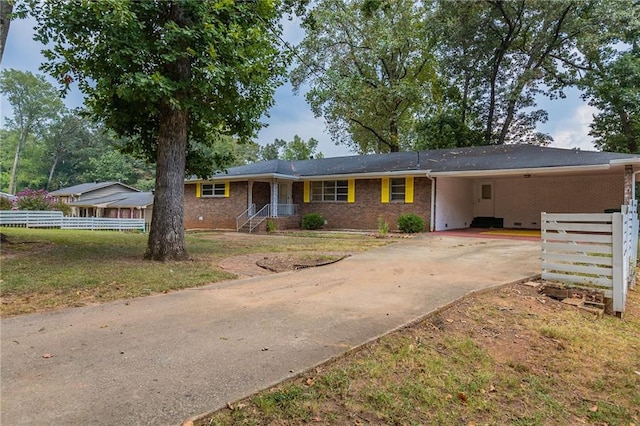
{"type": "Point", "coordinates": [618, 288]}
{"type": "Point", "coordinates": [628, 185]}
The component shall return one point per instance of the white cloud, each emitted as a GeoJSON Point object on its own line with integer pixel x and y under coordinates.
{"type": "Point", "coordinates": [573, 132]}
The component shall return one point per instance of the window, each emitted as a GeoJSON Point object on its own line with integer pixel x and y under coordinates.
{"type": "Point", "coordinates": [213, 189]}
{"type": "Point", "coordinates": [398, 189]}
{"type": "Point", "coordinates": [486, 191]}
{"type": "Point", "coordinates": [330, 190]}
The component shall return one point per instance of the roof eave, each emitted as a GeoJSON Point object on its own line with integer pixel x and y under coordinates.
{"type": "Point", "coordinates": [223, 177]}
{"type": "Point", "coordinates": [625, 161]}
{"type": "Point", "coordinates": [521, 171]}
{"type": "Point", "coordinates": [368, 175]}
{"type": "Point", "coordinates": [335, 176]}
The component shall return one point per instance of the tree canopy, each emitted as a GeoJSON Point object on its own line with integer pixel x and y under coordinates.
{"type": "Point", "coordinates": [297, 149]}
{"type": "Point", "coordinates": [370, 67]}
{"type": "Point", "coordinates": [392, 75]}
{"type": "Point", "coordinates": [171, 77]}
{"type": "Point", "coordinates": [35, 104]}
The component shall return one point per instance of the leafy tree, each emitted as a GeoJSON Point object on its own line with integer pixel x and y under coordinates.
{"type": "Point", "coordinates": [245, 153]}
{"type": "Point", "coordinates": [445, 131]}
{"type": "Point", "coordinates": [500, 55]}
{"type": "Point", "coordinates": [64, 137]}
{"type": "Point", "coordinates": [271, 151]}
{"type": "Point", "coordinates": [35, 102]}
{"type": "Point", "coordinates": [370, 67]}
{"type": "Point", "coordinates": [615, 91]}
{"type": "Point", "coordinates": [297, 149]}
{"type": "Point", "coordinates": [170, 76]}
{"type": "Point", "coordinates": [608, 71]}
{"type": "Point", "coordinates": [111, 166]}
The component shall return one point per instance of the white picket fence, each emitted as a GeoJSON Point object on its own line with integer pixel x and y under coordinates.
{"type": "Point", "coordinates": [592, 250]}
{"type": "Point", "coordinates": [55, 219]}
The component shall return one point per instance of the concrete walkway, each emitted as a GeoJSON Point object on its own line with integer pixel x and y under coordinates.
{"type": "Point", "coordinates": [160, 359]}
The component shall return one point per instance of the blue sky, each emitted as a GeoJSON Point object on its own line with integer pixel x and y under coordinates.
{"type": "Point", "coordinates": [568, 118]}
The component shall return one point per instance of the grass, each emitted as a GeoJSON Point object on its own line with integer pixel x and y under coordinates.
{"type": "Point", "coordinates": [503, 357]}
{"type": "Point", "coordinates": [47, 269]}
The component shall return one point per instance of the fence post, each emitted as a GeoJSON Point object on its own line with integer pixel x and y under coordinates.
{"type": "Point", "coordinates": [618, 264]}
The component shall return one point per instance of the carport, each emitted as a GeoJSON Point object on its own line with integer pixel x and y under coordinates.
{"type": "Point", "coordinates": [515, 198]}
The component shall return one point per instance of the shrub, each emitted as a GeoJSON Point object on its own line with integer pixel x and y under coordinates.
{"type": "Point", "coordinates": [312, 221]}
{"type": "Point", "coordinates": [383, 226]}
{"type": "Point", "coordinates": [5, 203]}
{"type": "Point", "coordinates": [272, 226]}
{"type": "Point", "coordinates": [30, 199]}
{"type": "Point", "coordinates": [410, 223]}
{"type": "Point", "coordinates": [64, 208]}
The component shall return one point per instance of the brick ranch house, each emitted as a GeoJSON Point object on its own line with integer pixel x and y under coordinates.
{"type": "Point", "coordinates": [486, 186]}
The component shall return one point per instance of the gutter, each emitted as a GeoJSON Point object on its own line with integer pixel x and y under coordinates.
{"type": "Point", "coordinates": [312, 177]}
{"type": "Point", "coordinates": [533, 170]}
{"type": "Point", "coordinates": [432, 216]}
{"type": "Point", "coordinates": [625, 161]}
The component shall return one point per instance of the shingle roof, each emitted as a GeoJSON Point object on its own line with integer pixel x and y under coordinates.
{"type": "Point", "coordinates": [479, 158]}
{"type": "Point", "coordinates": [119, 199]}
{"type": "Point", "coordinates": [83, 188]}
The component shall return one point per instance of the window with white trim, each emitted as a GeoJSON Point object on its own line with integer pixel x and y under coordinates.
{"type": "Point", "coordinates": [213, 189]}
{"type": "Point", "coordinates": [330, 190]}
{"type": "Point", "coordinates": [398, 189]}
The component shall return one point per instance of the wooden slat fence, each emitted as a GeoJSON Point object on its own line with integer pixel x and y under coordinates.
{"type": "Point", "coordinates": [592, 250]}
{"type": "Point", "coordinates": [55, 219]}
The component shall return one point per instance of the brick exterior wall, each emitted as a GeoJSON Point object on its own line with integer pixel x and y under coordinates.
{"type": "Point", "coordinates": [364, 212]}
{"type": "Point", "coordinates": [216, 212]}
{"type": "Point", "coordinates": [520, 201]}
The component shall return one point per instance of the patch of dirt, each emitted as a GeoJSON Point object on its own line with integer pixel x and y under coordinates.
{"type": "Point", "coordinates": [250, 265]}
{"type": "Point", "coordinates": [10, 249]}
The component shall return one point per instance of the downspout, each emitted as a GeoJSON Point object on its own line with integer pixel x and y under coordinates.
{"type": "Point", "coordinates": [633, 184]}
{"type": "Point", "coordinates": [432, 216]}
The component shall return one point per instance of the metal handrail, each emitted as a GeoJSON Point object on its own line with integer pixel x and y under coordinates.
{"type": "Point", "coordinates": [259, 217]}
{"type": "Point", "coordinates": [248, 213]}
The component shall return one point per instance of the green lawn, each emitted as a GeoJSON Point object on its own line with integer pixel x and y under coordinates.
{"type": "Point", "coordinates": [44, 269]}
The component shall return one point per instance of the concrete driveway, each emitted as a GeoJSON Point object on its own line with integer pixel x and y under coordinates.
{"type": "Point", "coordinates": [160, 359]}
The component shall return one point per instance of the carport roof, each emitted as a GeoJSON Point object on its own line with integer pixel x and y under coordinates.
{"type": "Point", "coordinates": [471, 159]}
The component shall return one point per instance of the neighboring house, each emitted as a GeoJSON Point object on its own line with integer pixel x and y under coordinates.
{"type": "Point", "coordinates": [107, 199]}
{"type": "Point", "coordinates": [8, 196]}
{"type": "Point", "coordinates": [487, 186]}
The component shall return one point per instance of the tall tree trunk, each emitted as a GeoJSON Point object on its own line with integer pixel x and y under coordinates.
{"type": "Point", "coordinates": [52, 170]}
{"type": "Point", "coordinates": [16, 160]}
{"type": "Point", "coordinates": [631, 138]}
{"type": "Point", "coordinates": [166, 238]}
{"type": "Point", "coordinates": [394, 146]}
{"type": "Point", "coordinates": [6, 7]}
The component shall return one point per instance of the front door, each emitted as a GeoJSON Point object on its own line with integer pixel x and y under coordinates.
{"type": "Point", "coordinates": [284, 199]}
{"type": "Point", "coordinates": [484, 205]}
